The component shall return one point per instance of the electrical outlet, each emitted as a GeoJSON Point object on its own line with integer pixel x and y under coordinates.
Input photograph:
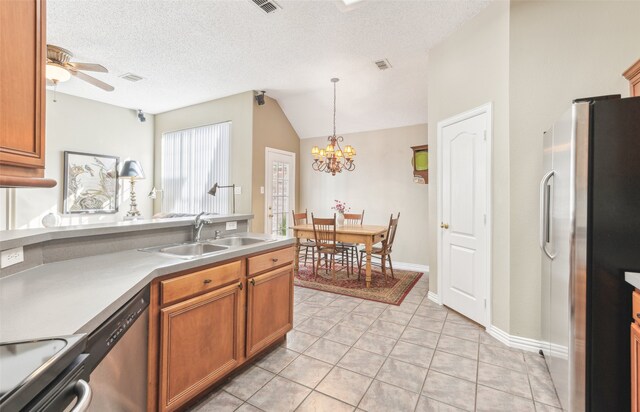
{"type": "Point", "coordinates": [11, 257]}
{"type": "Point", "coordinates": [232, 226]}
{"type": "Point", "coordinates": [238, 190]}
{"type": "Point", "coordinates": [261, 190]}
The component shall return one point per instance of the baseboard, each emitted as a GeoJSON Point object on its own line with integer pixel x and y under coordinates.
{"type": "Point", "coordinates": [411, 266]}
{"type": "Point", "coordinates": [517, 342]}
{"type": "Point", "coordinates": [434, 297]}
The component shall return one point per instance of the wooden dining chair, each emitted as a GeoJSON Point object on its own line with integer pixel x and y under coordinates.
{"type": "Point", "coordinates": [308, 244]}
{"type": "Point", "coordinates": [383, 250]}
{"type": "Point", "coordinates": [350, 253]}
{"type": "Point", "coordinates": [324, 231]}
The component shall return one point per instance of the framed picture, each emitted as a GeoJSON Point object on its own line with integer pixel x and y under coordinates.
{"type": "Point", "coordinates": [90, 183]}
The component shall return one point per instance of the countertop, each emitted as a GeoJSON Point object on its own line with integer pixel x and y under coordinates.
{"type": "Point", "coordinates": [633, 278]}
{"type": "Point", "coordinates": [77, 295]}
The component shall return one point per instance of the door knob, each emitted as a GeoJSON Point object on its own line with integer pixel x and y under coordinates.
{"type": "Point", "coordinates": [444, 225]}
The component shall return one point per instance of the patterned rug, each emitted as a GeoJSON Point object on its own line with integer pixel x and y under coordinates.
{"type": "Point", "coordinates": [392, 292]}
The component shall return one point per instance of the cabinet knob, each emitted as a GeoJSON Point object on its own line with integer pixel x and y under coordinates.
{"type": "Point", "coordinates": [638, 315]}
{"type": "Point", "coordinates": [240, 285]}
{"type": "Point", "coordinates": [274, 260]}
{"type": "Point", "coordinates": [253, 282]}
{"type": "Point", "coordinates": [207, 281]}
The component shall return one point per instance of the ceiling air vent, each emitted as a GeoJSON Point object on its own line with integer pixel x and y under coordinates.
{"type": "Point", "coordinates": [268, 6]}
{"type": "Point", "coordinates": [131, 77]}
{"type": "Point", "coordinates": [383, 64]}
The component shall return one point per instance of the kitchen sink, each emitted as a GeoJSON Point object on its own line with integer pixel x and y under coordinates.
{"type": "Point", "coordinates": [235, 241]}
{"type": "Point", "coordinates": [192, 249]}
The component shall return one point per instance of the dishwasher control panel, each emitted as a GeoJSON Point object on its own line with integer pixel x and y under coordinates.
{"type": "Point", "coordinates": [105, 337]}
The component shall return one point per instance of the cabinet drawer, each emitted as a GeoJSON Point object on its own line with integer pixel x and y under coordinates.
{"type": "Point", "coordinates": [181, 287]}
{"type": "Point", "coordinates": [270, 260]}
{"type": "Point", "coordinates": [636, 306]}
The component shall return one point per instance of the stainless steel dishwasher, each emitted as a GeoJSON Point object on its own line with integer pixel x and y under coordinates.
{"type": "Point", "coordinates": [118, 358]}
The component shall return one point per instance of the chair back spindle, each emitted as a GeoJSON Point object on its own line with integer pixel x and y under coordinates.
{"type": "Point", "coordinates": [391, 233]}
{"type": "Point", "coordinates": [324, 231]}
{"type": "Point", "coordinates": [354, 218]}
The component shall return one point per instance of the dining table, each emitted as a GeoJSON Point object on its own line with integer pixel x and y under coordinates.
{"type": "Point", "coordinates": [368, 235]}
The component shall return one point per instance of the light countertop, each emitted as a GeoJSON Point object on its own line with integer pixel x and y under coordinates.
{"type": "Point", "coordinates": [77, 295]}
{"type": "Point", "coordinates": [633, 278]}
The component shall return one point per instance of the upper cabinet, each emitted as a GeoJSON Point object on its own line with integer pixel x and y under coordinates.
{"type": "Point", "coordinates": [633, 75]}
{"type": "Point", "coordinates": [22, 95]}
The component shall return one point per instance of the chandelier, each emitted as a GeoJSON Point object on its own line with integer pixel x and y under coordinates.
{"type": "Point", "coordinates": [333, 159]}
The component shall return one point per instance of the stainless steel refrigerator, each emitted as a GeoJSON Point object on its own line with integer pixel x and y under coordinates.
{"type": "Point", "coordinates": [589, 236]}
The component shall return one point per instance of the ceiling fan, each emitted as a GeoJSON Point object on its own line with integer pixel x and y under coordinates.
{"type": "Point", "coordinates": [60, 69]}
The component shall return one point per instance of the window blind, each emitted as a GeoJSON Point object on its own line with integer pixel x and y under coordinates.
{"type": "Point", "coordinates": [192, 161]}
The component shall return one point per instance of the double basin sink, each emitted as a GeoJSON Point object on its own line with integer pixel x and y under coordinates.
{"type": "Point", "coordinates": [192, 250]}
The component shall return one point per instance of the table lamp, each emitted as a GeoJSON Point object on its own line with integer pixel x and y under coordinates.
{"type": "Point", "coordinates": [132, 170]}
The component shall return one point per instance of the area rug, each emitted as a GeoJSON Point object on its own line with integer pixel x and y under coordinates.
{"type": "Point", "coordinates": [392, 292]}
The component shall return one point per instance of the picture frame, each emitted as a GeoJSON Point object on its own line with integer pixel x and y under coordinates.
{"type": "Point", "coordinates": [90, 183]}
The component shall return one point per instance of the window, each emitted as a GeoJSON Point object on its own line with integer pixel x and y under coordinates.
{"type": "Point", "coordinates": [192, 161]}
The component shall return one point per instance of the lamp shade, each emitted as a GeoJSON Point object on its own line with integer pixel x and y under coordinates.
{"type": "Point", "coordinates": [131, 169]}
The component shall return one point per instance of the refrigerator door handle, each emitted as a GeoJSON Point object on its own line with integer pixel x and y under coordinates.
{"type": "Point", "coordinates": [544, 213]}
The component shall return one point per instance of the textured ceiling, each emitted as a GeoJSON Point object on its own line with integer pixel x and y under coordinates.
{"type": "Point", "coordinates": [191, 51]}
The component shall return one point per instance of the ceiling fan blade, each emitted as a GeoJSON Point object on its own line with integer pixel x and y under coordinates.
{"type": "Point", "coordinates": [92, 67]}
{"type": "Point", "coordinates": [92, 80]}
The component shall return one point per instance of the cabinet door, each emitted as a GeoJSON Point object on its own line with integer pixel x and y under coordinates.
{"type": "Point", "coordinates": [201, 341]}
{"type": "Point", "coordinates": [635, 367]}
{"type": "Point", "coordinates": [22, 95]}
{"type": "Point", "coordinates": [269, 308]}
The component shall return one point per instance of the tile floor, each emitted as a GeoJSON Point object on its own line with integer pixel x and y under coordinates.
{"type": "Point", "coordinates": [347, 354]}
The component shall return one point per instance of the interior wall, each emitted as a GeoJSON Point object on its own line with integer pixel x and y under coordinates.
{"type": "Point", "coordinates": [82, 125]}
{"type": "Point", "coordinates": [467, 70]}
{"type": "Point", "coordinates": [238, 109]}
{"type": "Point", "coordinates": [271, 128]}
{"type": "Point", "coordinates": [559, 51]}
{"type": "Point", "coordinates": [381, 184]}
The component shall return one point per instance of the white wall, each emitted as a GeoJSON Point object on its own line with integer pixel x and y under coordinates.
{"type": "Point", "coordinates": [82, 125]}
{"type": "Point", "coordinates": [381, 184]}
{"type": "Point", "coordinates": [467, 70]}
{"type": "Point", "coordinates": [239, 110]}
{"type": "Point", "coordinates": [559, 51]}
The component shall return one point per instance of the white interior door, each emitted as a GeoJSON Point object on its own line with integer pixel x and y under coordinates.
{"type": "Point", "coordinates": [463, 212]}
{"type": "Point", "coordinates": [280, 184]}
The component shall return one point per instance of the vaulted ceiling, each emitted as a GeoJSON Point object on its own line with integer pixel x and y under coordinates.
{"type": "Point", "coordinates": [191, 51]}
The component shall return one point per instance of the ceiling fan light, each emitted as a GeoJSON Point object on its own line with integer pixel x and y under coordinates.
{"type": "Point", "coordinates": [57, 73]}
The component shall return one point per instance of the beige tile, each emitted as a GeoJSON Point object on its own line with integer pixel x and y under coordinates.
{"type": "Point", "coordinates": [543, 390]}
{"type": "Point", "coordinates": [306, 371]}
{"type": "Point", "coordinates": [327, 351]}
{"type": "Point", "coordinates": [491, 400]}
{"type": "Point", "coordinates": [407, 307]}
{"type": "Point", "coordinates": [433, 325]}
{"type": "Point", "coordinates": [452, 391]}
{"type": "Point", "coordinates": [368, 310]}
{"type": "Point", "coordinates": [298, 341]}
{"type": "Point", "coordinates": [319, 402]}
{"type": "Point", "coordinates": [541, 407]}
{"type": "Point", "coordinates": [431, 405]}
{"type": "Point", "coordinates": [270, 398]}
{"type": "Point", "coordinates": [402, 374]}
{"type": "Point", "coordinates": [277, 360]}
{"type": "Point", "coordinates": [431, 312]}
{"type": "Point", "coordinates": [363, 362]}
{"type": "Point", "coordinates": [219, 401]}
{"type": "Point", "coordinates": [420, 337]}
{"type": "Point", "coordinates": [408, 352]}
{"type": "Point", "coordinates": [344, 385]}
{"type": "Point", "coordinates": [382, 397]}
{"type": "Point", "coordinates": [246, 407]}
{"type": "Point", "coordinates": [504, 379]}
{"type": "Point", "coordinates": [344, 333]}
{"type": "Point", "coordinates": [463, 331]}
{"type": "Point", "coordinates": [357, 321]}
{"type": "Point", "coordinates": [396, 316]}
{"type": "Point", "coordinates": [333, 313]}
{"type": "Point", "coordinates": [248, 382]}
{"type": "Point", "coordinates": [305, 309]}
{"type": "Point", "coordinates": [455, 317]}
{"type": "Point", "coordinates": [315, 326]}
{"type": "Point", "coordinates": [457, 346]}
{"type": "Point", "coordinates": [387, 329]}
{"type": "Point", "coordinates": [454, 365]}
{"type": "Point", "coordinates": [375, 343]}
{"type": "Point", "coordinates": [502, 357]}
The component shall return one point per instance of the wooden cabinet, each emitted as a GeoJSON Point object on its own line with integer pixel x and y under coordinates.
{"type": "Point", "coordinates": [201, 342]}
{"type": "Point", "coordinates": [206, 322]}
{"type": "Point", "coordinates": [22, 95]}
{"type": "Point", "coordinates": [635, 367]}
{"type": "Point", "coordinates": [633, 75]}
{"type": "Point", "coordinates": [269, 308]}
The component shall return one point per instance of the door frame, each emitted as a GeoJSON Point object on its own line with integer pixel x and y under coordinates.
{"type": "Point", "coordinates": [292, 200]}
{"type": "Point", "coordinates": [487, 109]}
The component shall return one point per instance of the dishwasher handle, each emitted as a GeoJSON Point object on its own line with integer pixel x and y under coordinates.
{"type": "Point", "coordinates": [84, 392]}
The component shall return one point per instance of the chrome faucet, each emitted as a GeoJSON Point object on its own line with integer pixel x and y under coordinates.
{"type": "Point", "coordinates": [198, 224]}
